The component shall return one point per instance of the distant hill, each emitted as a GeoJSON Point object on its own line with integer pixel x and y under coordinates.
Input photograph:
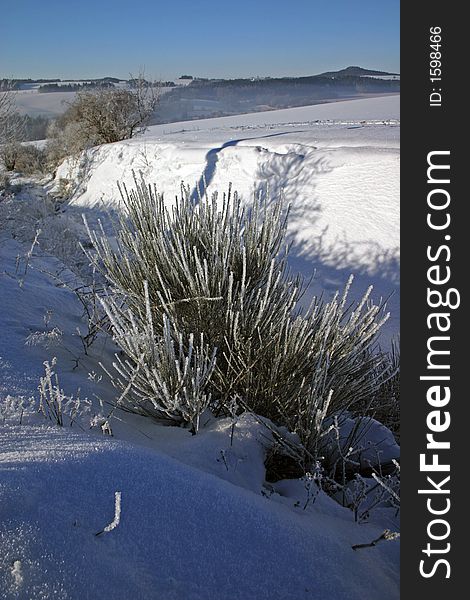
{"type": "Point", "coordinates": [196, 98]}
{"type": "Point", "coordinates": [204, 98]}
{"type": "Point", "coordinates": [356, 72]}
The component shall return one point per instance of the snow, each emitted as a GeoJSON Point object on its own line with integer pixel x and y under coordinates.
{"type": "Point", "coordinates": [384, 77]}
{"type": "Point", "coordinates": [196, 519]}
{"type": "Point", "coordinates": [382, 108]}
{"type": "Point", "coordinates": [183, 534]}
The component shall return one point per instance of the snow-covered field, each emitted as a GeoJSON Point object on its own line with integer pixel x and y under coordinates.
{"type": "Point", "coordinates": [34, 103]}
{"type": "Point", "coordinates": [197, 519]}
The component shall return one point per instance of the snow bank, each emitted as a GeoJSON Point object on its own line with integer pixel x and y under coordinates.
{"type": "Point", "coordinates": [342, 181]}
{"type": "Point", "coordinates": [182, 534]}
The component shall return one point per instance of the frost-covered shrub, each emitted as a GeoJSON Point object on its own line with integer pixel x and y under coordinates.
{"type": "Point", "coordinates": [30, 160]}
{"type": "Point", "coordinates": [9, 154]}
{"type": "Point", "coordinates": [47, 339]}
{"type": "Point", "coordinates": [25, 158]}
{"type": "Point", "coordinates": [12, 124]}
{"type": "Point", "coordinates": [385, 406]}
{"type": "Point", "coordinates": [357, 445]}
{"type": "Point", "coordinates": [363, 495]}
{"type": "Point", "coordinates": [35, 219]}
{"type": "Point", "coordinates": [54, 404]}
{"type": "Point", "coordinates": [52, 399]}
{"type": "Point", "coordinates": [101, 116]}
{"type": "Point", "coordinates": [64, 138]}
{"type": "Point", "coordinates": [13, 409]}
{"type": "Point", "coordinates": [4, 183]}
{"type": "Point", "coordinates": [218, 269]}
{"type": "Point", "coordinates": [164, 376]}
{"type": "Point", "coordinates": [63, 188]}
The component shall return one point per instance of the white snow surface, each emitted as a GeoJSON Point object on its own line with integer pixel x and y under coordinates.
{"type": "Point", "coordinates": [197, 521]}
{"type": "Point", "coordinates": [184, 534]}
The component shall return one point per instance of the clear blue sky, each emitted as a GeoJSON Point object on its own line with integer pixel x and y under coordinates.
{"type": "Point", "coordinates": [207, 38]}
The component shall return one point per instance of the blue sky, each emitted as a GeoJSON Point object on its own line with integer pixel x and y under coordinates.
{"type": "Point", "coordinates": [207, 38]}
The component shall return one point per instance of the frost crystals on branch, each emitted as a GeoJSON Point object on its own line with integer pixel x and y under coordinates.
{"type": "Point", "coordinates": [117, 515]}
{"type": "Point", "coordinates": [165, 376]}
{"type": "Point", "coordinates": [212, 277]}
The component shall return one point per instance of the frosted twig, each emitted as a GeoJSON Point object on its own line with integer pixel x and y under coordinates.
{"type": "Point", "coordinates": [387, 535]}
{"type": "Point", "coordinates": [117, 515]}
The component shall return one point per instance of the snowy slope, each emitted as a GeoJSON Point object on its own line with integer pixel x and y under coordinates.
{"type": "Point", "coordinates": [198, 520]}
{"type": "Point", "coordinates": [336, 164]}
{"type": "Point", "coordinates": [382, 108]}
{"type": "Point", "coordinates": [183, 535]}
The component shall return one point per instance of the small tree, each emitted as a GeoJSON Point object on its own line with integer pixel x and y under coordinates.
{"type": "Point", "coordinates": [102, 116]}
{"type": "Point", "coordinates": [11, 127]}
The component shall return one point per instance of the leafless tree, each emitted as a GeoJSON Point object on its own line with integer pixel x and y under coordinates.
{"type": "Point", "coordinates": [103, 116]}
{"type": "Point", "coordinates": [11, 126]}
